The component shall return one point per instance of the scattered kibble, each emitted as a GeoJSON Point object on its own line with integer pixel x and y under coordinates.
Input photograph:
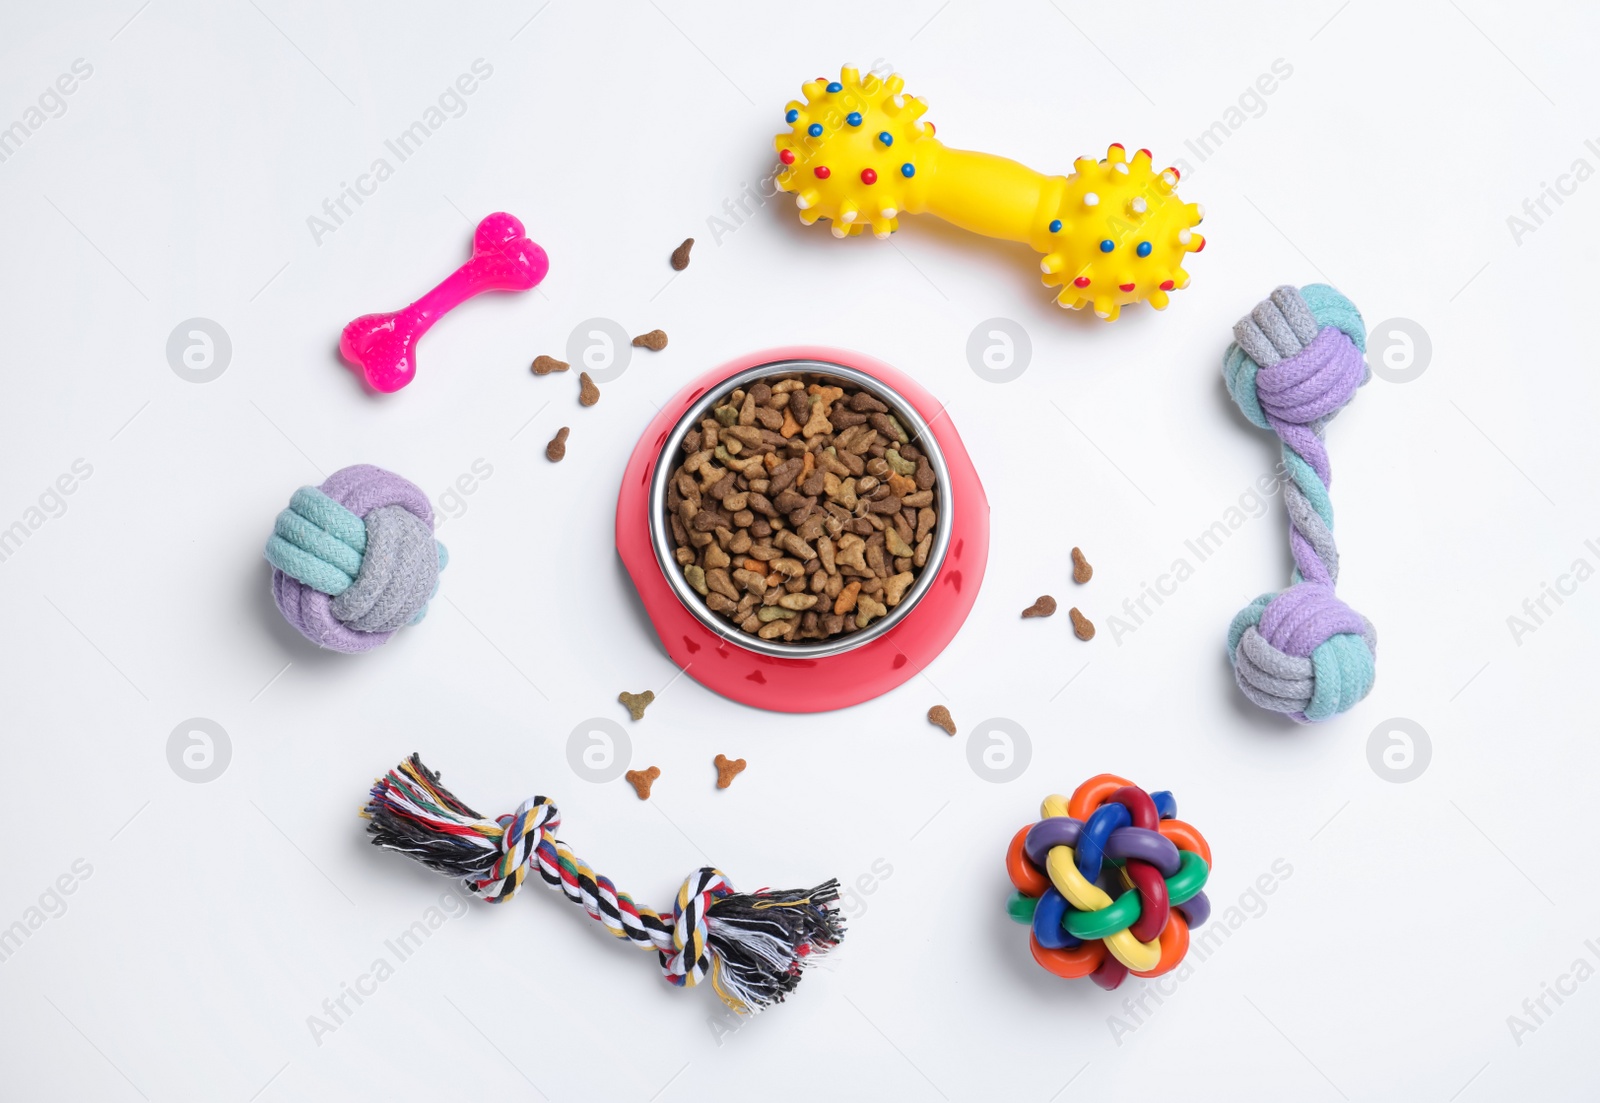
{"type": "Point", "coordinates": [556, 450]}
{"type": "Point", "coordinates": [641, 780]}
{"type": "Point", "coordinates": [939, 716]}
{"type": "Point", "coordinates": [588, 393]}
{"type": "Point", "coordinates": [1044, 607]}
{"type": "Point", "coordinates": [727, 770]}
{"type": "Point", "coordinates": [802, 511]}
{"type": "Point", "coordinates": [680, 255]}
{"type": "Point", "coordinates": [1082, 626]}
{"type": "Point", "coordinates": [636, 703]}
{"type": "Point", "coordinates": [544, 365]}
{"type": "Point", "coordinates": [655, 340]}
{"type": "Point", "coordinates": [1081, 571]}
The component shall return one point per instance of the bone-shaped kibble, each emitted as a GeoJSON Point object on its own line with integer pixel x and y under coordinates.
{"type": "Point", "coordinates": [727, 769]}
{"type": "Point", "coordinates": [641, 780]}
{"type": "Point", "coordinates": [636, 703]}
{"type": "Point", "coordinates": [383, 346]}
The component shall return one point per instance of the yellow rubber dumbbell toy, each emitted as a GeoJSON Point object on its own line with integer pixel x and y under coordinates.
{"type": "Point", "coordinates": [1114, 232]}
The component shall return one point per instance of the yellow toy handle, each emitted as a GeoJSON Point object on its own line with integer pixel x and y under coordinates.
{"type": "Point", "coordinates": [987, 194]}
{"type": "Point", "coordinates": [1112, 233]}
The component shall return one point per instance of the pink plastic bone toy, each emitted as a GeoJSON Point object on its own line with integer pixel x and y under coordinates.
{"type": "Point", "coordinates": [383, 346]}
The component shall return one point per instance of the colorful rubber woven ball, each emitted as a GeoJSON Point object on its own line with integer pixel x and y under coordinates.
{"type": "Point", "coordinates": [354, 560]}
{"type": "Point", "coordinates": [1110, 882]}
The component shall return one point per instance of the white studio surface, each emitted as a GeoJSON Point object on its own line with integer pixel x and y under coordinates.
{"type": "Point", "coordinates": [1385, 933]}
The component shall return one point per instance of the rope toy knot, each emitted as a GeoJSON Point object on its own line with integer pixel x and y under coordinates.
{"type": "Point", "coordinates": [531, 826]}
{"type": "Point", "coordinates": [354, 560]}
{"type": "Point", "coordinates": [751, 946]}
{"type": "Point", "coordinates": [1302, 652]}
{"type": "Point", "coordinates": [1297, 359]}
{"type": "Point", "coordinates": [1110, 882]}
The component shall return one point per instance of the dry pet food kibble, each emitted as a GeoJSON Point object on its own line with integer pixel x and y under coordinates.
{"type": "Point", "coordinates": [1044, 607]}
{"type": "Point", "coordinates": [940, 716]}
{"type": "Point", "coordinates": [544, 365]}
{"type": "Point", "coordinates": [1082, 626]}
{"type": "Point", "coordinates": [588, 393]}
{"type": "Point", "coordinates": [556, 450]}
{"type": "Point", "coordinates": [1081, 571]}
{"type": "Point", "coordinates": [636, 703]}
{"type": "Point", "coordinates": [727, 770]}
{"type": "Point", "coordinates": [680, 255]}
{"type": "Point", "coordinates": [802, 510]}
{"type": "Point", "coordinates": [655, 340]}
{"type": "Point", "coordinates": [641, 780]}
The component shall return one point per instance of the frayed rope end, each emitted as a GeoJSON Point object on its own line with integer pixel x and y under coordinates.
{"type": "Point", "coordinates": [761, 941]}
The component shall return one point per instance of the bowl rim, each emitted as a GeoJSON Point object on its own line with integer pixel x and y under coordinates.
{"type": "Point", "coordinates": [917, 428]}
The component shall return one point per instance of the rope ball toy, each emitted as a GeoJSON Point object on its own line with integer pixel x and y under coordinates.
{"type": "Point", "coordinates": [752, 946]}
{"type": "Point", "coordinates": [1295, 362]}
{"type": "Point", "coordinates": [354, 560]}
{"type": "Point", "coordinates": [1110, 882]}
{"type": "Point", "coordinates": [1114, 232]}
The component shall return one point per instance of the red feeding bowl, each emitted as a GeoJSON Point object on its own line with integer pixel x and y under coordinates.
{"type": "Point", "coordinates": [836, 673]}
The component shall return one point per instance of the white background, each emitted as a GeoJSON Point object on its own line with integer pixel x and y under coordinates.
{"type": "Point", "coordinates": [217, 917]}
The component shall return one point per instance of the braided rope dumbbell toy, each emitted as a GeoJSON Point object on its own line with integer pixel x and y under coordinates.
{"type": "Point", "coordinates": [1296, 361]}
{"type": "Point", "coordinates": [1111, 835]}
{"type": "Point", "coordinates": [1112, 233]}
{"type": "Point", "coordinates": [751, 945]}
{"type": "Point", "coordinates": [354, 560]}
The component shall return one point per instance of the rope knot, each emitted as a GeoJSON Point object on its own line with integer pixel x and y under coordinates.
{"type": "Point", "coordinates": [522, 833]}
{"type": "Point", "coordinates": [1303, 652]}
{"type": "Point", "coordinates": [1287, 366]}
{"type": "Point", "coordinates": [354, 560]}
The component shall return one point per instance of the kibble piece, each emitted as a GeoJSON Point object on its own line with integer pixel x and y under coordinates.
{"type": "Point", "coordinates": [655, 340]}
{"type": "Point", "coordinates": [718, 580]}
{"type": "Point", "coordinates": [727, 769]}
{"type": "Point", "coordinates": [1082, 626]}
{"type": "Point", "coordinates": [1044, 607]}
{"type": "Point", "coordinates": [1081, 571]}
{"type": "Point", "coordinates": [847, 597]}
{"type": "Point", "coordinates": [641, 780]}
{"type": "Point", "coordinates": [895, 586]}
{"type": "Point", "coordinates": [556, 450]}
{"type": "Point", "coordinates": [866, 609]}
{"type": "Point", "coordinates": [588, 393]}
{"type": "Point", "coordinates": [636, 703]}
{"type": "Point", "coordinates": [680, 255]}
{"type": "Point", "coordinates": [544, 365]}
{"type": "Point", "coordinates": [939, 716]}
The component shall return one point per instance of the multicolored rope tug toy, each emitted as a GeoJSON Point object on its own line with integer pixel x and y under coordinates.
{"type": "Point", "coordinates": [752, 946]}
{"type": "Point", "coordinates": [354, 560]}
{"type": "Point", "coordinates": [1112, 233]}
{"type": "Point", "coordinates": [1296, 361]}
{"type": "Point", "coordinates": [1114, 836]}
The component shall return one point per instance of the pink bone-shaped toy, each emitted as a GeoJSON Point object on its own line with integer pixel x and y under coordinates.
{"type": "Point", "coordinates": [383, 345]}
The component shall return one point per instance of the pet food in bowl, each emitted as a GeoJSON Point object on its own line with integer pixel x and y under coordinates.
{"type": "Point", "coordinates": [801, 511]}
